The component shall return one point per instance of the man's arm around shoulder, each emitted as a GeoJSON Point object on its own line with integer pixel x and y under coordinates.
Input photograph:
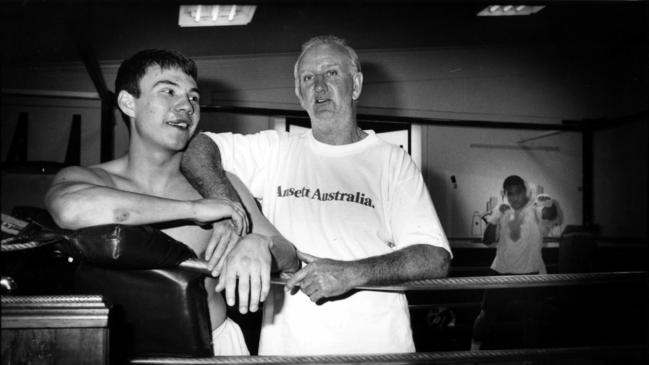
{"type": "Point", "coordinates": [202, 166]}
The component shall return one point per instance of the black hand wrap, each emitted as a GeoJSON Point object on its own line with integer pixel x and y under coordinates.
{"type": "Point", "coordinates": [127, 247]}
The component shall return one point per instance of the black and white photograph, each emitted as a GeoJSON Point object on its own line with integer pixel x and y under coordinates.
{"type": "Point", "coordinates": [324, 182]}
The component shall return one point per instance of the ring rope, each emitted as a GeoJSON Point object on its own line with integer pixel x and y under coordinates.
{"type": "Point", "coordinates": [505, 281]}
{"type": "Point", "coordinates": [10, 300]}
{"type": "Point", "coordinates": [11, 247]}
{"type": "Point", "coordinates": [412, 358]}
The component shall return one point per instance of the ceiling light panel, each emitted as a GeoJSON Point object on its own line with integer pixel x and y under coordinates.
{"type": "Point", "coordinates": [215, 15]}
{"type": "Point", "coordinates": [509, 10]}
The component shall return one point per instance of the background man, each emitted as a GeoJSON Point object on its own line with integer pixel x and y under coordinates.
{"type": "Point", "coordinates": [518, 229]}
{"type": "Point", "coordinates": [338, 192]}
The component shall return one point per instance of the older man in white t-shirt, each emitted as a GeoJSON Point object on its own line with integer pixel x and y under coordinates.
{"type": "Point", "coordinates": [355, 207]}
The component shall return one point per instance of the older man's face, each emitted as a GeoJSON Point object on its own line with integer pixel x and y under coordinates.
{"type": "Point", "coordinates": [326, 86]}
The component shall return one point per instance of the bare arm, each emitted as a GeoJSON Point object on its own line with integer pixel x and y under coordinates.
{"type": "Point", "coordinates": [254, 257]}
{"type": "Point", "coordinates": [284, 254]}
{"type": "Point", "coordinates": [415, 262]}
{"type": "Point", "coordinates": [201, 165]}
{"type": "Point", "coordinates": [324, 278]}
{"type": "Point", "coordinates": [243, 267]}
{"type": "Point", "coordinates": [80, 197]}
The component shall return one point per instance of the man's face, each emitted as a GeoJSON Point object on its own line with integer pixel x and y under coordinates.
{"type": "Point", "coordinates": [167, 111]}
{"type": "Point", "coordinates": [325, 86]}
{"type": "Point", "coordinates": [516, 196]}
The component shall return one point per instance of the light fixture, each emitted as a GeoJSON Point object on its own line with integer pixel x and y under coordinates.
{"type": "Point", "coordinates": [215, 15]}
{"type": "Point", "coordinates": [510, 10]}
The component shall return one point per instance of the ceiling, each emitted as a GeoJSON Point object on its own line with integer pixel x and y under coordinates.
{"type": "Point", "coordinates": [53, 31]}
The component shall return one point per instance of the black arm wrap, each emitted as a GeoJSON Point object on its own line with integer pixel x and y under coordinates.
{"type": "Point", "coordinates": [127, 247]}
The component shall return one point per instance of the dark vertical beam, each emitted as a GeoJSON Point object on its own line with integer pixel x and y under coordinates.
{"type": "Point", "coordinates": [79, 30]}
{"type": "Point", "coordinates": [18, 148]}
{"type": "Point", "coordinates": [73, 154]}
{"type": "Point", "coordinates": [587, 173]}
{"type": "Point", "coordinates": [107, 134]}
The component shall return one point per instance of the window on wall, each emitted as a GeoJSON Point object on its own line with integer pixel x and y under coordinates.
{"type": "Point", "coordinates": [464, 168]}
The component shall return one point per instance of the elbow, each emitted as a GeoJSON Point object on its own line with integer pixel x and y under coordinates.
{"type": "Point", "coordinates": [70, 212]}
{"type": "Point", "coordinates": [439, 260]}
{"type": "Point", "coordinates": [64, 214]}
{"type": "Point", "coordinates": [444, 262]}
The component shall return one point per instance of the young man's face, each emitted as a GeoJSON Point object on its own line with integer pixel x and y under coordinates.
{"type": "Point", "coordinates": [516, 196]}
{"type": "Point", "coordinates": [326, 85]}
{"type": "Point", "coordinates": [167, 111]}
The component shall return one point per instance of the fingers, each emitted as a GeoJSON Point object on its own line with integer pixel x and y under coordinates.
{"type": "Point", "coordinates": [209, 253]}
{"type": "Point", "coordinates": [240, 219]}
{"type": "Point", "coordinates": [230, 283]}
{"type": "Point", "coordinates": [216, 246]}
{"type": "Point", "coordinates": [237, 219]}
{"type": "Point", "coordinates": [245, 222]}
{"type": "Point", "coordinates": [265, 284]}
{"type": "Point", "coordinates": [246, 273]}
{"type": "Point", "coordinates": [228, 245]}
{"type": "Point", "coordinates": [297, 278]}
{"type": "Point", "coordinates": [249, 288]}
{"type": "Point", "coordinates": [255, 289]}
{"type": "Point", "coordinates": [305, 257]}
{"type": "Point", "coordinates": [312, 289]}
{"type": "Point", "coordinates": [244, 289]}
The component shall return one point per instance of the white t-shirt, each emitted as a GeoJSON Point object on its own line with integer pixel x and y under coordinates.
{"type": "Point", "coordinates": [341, 202]}
{"type": "Point", "coordinates": [520, 252]}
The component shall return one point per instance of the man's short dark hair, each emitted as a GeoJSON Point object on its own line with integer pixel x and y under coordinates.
{"type": "Point", "coordinates": [133, 69]}
{"type": "Point", "coordinates": [514, 180]}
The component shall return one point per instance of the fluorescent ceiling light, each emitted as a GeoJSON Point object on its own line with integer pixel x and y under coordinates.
{"type": "Point", "coordinates": [509, 10]}
{"type": "Point", "coordinates": [215, 15]}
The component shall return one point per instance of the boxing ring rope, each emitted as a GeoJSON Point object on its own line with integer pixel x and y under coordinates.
{"type": "Point", "coordinates": [476, 282]}
{"type": "Point", "coordinates": [450, 357]}
{"type": "Point", "coordinates": [447, 357]}
{"type": "Point", "coordinates": [24, 242]}
{"type": "Point", "coordinates": [507, 281]}
{"type": "Point", "coordinates": [8, 245]}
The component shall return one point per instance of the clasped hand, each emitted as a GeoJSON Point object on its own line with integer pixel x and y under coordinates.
{"type": "Point", "coordinates": [246, 272]}
{"type": "Point", "coordinates": [210, 210]}
{"type": "Point", "coordinates": [323, 278]}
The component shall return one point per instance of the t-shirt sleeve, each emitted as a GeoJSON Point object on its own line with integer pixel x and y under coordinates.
{"type": "Point", "coordinates": [247, 156]}
{"type": "Point", "coordinates": [413, 218]}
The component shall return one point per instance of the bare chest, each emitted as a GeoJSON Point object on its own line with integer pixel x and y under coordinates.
{"type": "Point", "coordinates": [185, 231]}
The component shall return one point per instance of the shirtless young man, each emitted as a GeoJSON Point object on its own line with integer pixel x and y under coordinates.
{"type": "Point", "coordinates": [157, 91]}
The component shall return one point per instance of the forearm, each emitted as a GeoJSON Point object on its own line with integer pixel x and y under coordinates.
{"type": "Point", "coordinates": [201, 165]}
{"type": "Point", "coordinates": [75, 206]}
{"type": "Point", "coordinates": [415, 262]}
{"type": "Point", "coordinates": [284, 255]}
{"type": "Point", "coordinates": [282, 250]}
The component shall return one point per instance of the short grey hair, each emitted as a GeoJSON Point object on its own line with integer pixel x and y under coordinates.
{"type": "Point", "coordinates": [328, 39]}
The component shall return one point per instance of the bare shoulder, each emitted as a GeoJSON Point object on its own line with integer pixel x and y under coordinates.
{"type": "Point", "coordinates": [96, 175]}
{"type": "Point", "coordinates": [104, 174]}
